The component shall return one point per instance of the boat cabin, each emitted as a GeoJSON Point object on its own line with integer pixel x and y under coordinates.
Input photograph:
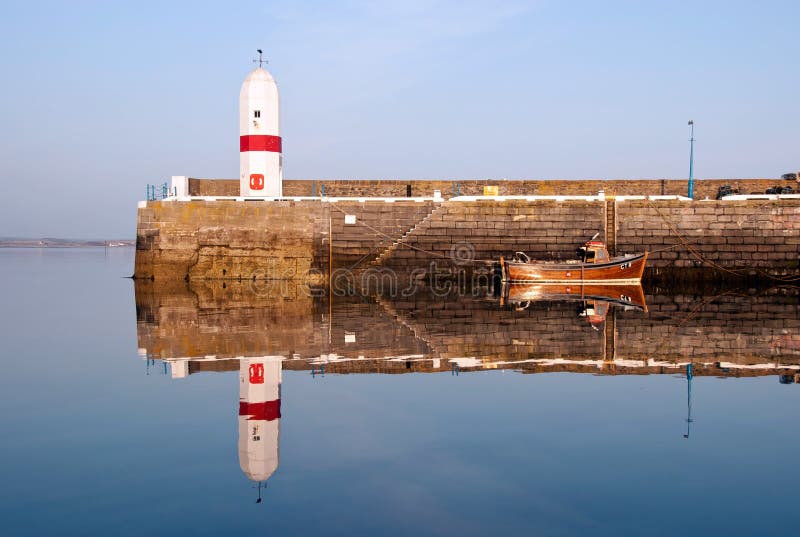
{"type": "Point", "coordinates": [593, 252]}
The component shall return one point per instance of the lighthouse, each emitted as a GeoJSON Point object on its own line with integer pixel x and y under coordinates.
{"type": "Point", "coordinates": [259, 135]}
{"type": "Point", "coordinates": [259, 416]}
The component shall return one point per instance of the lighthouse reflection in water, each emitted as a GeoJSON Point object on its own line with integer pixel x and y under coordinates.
{"type": "Point", "coordinates": [259, 413]}
{"type": "Point", "coordinates": [259, 417]}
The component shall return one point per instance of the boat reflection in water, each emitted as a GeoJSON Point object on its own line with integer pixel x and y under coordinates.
{"type": "Point", "coordinates": [594, 300]}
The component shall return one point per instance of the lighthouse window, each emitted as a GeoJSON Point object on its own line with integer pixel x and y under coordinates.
{"type": "Point", "coordinates": [256, 113]}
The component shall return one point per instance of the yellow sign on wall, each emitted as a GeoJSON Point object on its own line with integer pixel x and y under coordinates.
{"type": "Point", "coordinates": [491, 191]}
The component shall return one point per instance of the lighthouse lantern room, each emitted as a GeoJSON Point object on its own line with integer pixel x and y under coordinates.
{"type": "Point", "coordinates": [259, 135]}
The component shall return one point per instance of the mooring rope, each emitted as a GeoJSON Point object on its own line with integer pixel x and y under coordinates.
{"type": "Point", "coordinates": [703, 259]}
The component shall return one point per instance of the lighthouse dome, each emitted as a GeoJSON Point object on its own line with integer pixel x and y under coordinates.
{"type": "Point", "coordinates": [259, 84]}
{"type": "Point", "coordinates": [259, 73]}
{"type": "Point", "coordinates": [259, 470]}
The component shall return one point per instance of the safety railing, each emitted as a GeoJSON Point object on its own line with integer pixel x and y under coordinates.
{"type": "Point", "coordinates": [160, 192]}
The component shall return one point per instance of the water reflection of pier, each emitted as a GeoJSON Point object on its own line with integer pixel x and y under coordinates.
{"type": "Point", "coordinates": [208, 327]}
{"type": "Point", "coordinates": [261, 331]}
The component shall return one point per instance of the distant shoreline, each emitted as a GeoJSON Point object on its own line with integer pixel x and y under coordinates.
{"type": "Point", "coordinates": [65, 243]}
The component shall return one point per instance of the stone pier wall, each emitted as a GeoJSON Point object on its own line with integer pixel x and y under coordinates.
{"type": "Point", "coordinates": [475, 187]}
{"type": "Point", "coordinates": [731, 234]}
{"type": "Point", "coordinates": [734, 235]}
{"type": "Point", "coordinates": [227, 239]}
{"type": "Point", "coordinates": [551, 187]}
{"type": "Point", "coordinates": [377, 226]}
{"type": "Point", "coordinates": [230, 239]}
{"type": "Point", "coordinates": [460, 232]}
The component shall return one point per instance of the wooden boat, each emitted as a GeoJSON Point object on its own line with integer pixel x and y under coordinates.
{"type": "Point", "coordinates": [593, 266]}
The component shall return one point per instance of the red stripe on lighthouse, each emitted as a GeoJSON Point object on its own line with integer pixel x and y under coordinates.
{"type": "Point", "coordinates": [260, 142]}
{"type": "Point", "coordinates": [268, 410]}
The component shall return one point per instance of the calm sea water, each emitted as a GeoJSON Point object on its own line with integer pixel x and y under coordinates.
{"type": "Point", "coordinates": [139, 411]}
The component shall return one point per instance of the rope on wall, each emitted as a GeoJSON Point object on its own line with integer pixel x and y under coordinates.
{"type": "Point", "coordinates": [683, 241]}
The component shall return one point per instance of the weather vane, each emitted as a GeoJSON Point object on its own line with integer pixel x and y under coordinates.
{"type": "Point", "coordinates": [260, 61]}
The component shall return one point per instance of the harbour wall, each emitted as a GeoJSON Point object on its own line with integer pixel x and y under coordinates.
{"type": "Point", "coordinates": [703, 188]}
{"type": "Point", "coordinates": [733, 235]}
{"type": "Point", "coordinates": [309, 240]}
{"type": "Point", "coordinates": [266, 240]}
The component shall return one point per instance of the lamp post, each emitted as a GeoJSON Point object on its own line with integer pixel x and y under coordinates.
{"type": "Point", "coordinates": [689, 376]}
{"type": "Point", "coordinates": [691, 160]}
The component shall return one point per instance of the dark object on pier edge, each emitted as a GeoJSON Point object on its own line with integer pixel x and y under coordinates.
{"type": "Point", "coordinates": [780, 190]}
{"type": "Point", "coordinates": [726, 190]}
{"type": "Point", "coordinates": [795, 176]}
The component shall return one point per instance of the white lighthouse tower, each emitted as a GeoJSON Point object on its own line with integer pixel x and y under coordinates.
{"type": "Point", "coordinates": [259, 135]}
{"type": "Point", "coordinates": [259, 416]}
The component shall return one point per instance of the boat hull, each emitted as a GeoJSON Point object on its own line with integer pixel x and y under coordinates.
{"type": "Point", "coordinates": [623, 295]}
{"type": "Point", "coordinates": [617, 271]}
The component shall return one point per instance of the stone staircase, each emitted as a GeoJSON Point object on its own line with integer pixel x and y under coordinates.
{"type": "Point", "coordinates": [419, 227]}
{"type": "Point", "coordinates": [471, 234]}
{"type": "Point", "coordinates": [377, 225]}
{"type": "Point", "coordinates": [404, 320]}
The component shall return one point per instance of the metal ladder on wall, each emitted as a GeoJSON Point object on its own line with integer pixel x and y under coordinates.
{"type": "Point", "coordinates": [611, 227]}
{"type": "Point", "coordinates": [610, 326]}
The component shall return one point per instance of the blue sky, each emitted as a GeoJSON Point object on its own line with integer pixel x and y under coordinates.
{"type": "Point", "coordinates": [99, 99]}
